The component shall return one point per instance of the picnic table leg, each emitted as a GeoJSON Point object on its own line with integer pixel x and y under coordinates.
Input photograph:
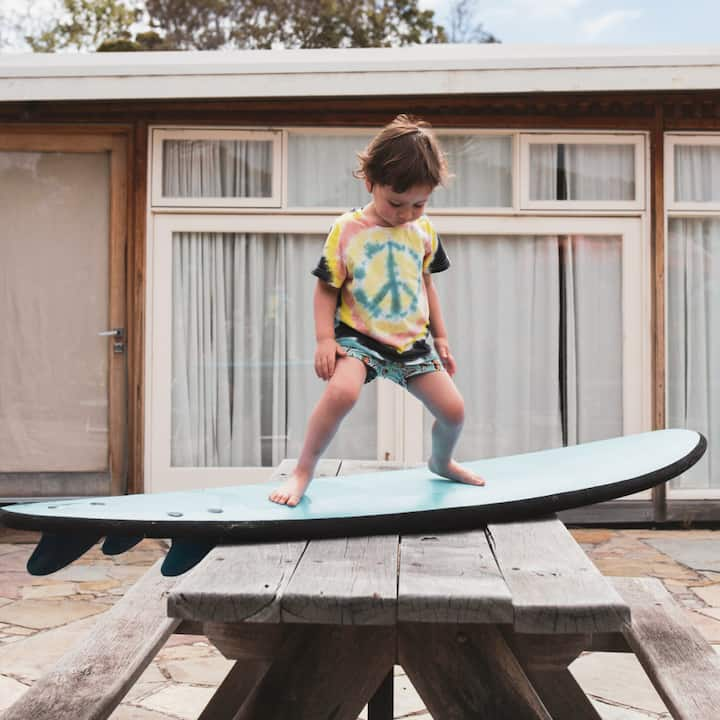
{"type": "Point", "coordinates": [545, 659]}
{"type": "Point", "coordinates": [323, 672]}
{"type": "Point", "coordinates": [381, 705]}
{"type": "Point", "coordinates": [467, 671]}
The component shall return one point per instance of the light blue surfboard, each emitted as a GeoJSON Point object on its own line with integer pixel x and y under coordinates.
{"type": "Point", "coordinates": [399, 501]}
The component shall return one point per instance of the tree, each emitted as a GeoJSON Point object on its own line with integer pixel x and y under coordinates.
{"type": "Point", "coordinates": [209, 24]}
{"type": "Point", "coordinates": [463, 25]}
{"type": "Point", "coordinates": [214, 24]}
{"type": "Point", "coordinates": [85, 24]}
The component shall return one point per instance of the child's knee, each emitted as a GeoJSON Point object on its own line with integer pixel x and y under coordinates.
{"type": "Point", "coordinates": [342, 396]}
{"type": "Point", "coordinates": [453, 413]}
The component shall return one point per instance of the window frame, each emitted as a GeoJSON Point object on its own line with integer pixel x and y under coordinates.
{"type": "Point", "coordinates": [680, 210]}
{"type": "Point", "coordinates": [161, 134]}
{"type": "Point", "coordinates": [526, 140]}
{"type": "Point", "coordinates": [672, 140]}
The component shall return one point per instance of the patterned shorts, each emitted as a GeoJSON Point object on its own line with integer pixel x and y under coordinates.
{"type": "Point", "coordinates": [399, 371]}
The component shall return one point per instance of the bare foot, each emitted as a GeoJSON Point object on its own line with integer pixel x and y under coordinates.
{"type": "Point", "coordinates": [455, 471]}
{"type": "Point", "coordinates": [291, 491]}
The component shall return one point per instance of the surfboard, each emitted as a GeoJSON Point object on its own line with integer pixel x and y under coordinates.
{"type": "Point", "coordinates": [412, 500]}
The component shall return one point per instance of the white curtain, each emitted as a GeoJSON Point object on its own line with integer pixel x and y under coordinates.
{"type": "Point", "coordinates": [592, 318]}
{"type": "Point", "coordinates": [481, 172]}
{"type": "Point", "coordinates": [535, 324]}
{"type": "Point", "coordinates": [575, 171]}
{"type": "Point", "coordinates": [217, 168]}
{"type": "Point", "coordinates": [693, 335]}
{"type": "Point", "coordinates": [320, 171]}
{"type": "Point", "coordinates": [697, 173]}
{"type": "Point", "coordinates": [243, 382]}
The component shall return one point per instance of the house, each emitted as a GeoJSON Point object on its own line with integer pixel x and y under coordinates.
{"type": "Point", "coordinates": [161, 213]}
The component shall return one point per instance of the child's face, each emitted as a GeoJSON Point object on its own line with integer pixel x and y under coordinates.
{"type": "Point", "coordinates": [394, 208]}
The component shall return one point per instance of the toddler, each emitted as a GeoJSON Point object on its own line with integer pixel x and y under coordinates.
{"type": "Point", "coordinates": [375, 304]}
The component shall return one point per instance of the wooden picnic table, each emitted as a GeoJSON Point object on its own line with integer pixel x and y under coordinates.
{"type": "Point", "coordinates": [484, 622]}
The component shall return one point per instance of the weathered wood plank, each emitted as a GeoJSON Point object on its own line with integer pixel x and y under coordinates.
{"type": "Point", "coordinates": [323, 673]}
{"type": "Point", "coordinates": [234, 690]}
{"type": "Point", "coordinates": [237, 583]}
{"type": "Point", "coordinates": [91, 679]}
{"type": "Point", "coordinates": [545, 660]}
{"type": "Point", "coordinates": [451, 577]}
{"type": "Point", "coordinates": [554, 585]}
{"type": "Point", "coordinates": [344, 581]}
{"type": "Point", "coordinates": [467, 671]}
{"type": "Point", "coordinates": [679, 662]}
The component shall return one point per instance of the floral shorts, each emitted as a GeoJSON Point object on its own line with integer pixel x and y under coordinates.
{"type": "Point", "coordinates": [399, 371]}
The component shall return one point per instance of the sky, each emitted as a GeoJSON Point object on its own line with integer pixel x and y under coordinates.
{"type": "Point", "coordinates": [565, 22]}
{"type": "Point", "coordinates": [597, 22]}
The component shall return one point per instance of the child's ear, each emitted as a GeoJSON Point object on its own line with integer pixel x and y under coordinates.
{"type": "Point", "coordinates": [368, 185]}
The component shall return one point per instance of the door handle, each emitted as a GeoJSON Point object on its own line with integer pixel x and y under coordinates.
{"type": "Point", "coordinates": [119, 335]}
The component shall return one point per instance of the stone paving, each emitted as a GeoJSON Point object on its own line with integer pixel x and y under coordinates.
{"type": "Point", "coordinates": [40, 617]}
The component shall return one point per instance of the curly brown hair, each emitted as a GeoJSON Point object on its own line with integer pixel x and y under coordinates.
{"type": "Point", "coordinates": [403, 154]}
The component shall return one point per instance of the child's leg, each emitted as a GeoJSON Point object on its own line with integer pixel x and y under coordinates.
{"type": "Point", "coordinates": [337, 400]}
{"type": "Point", "coordinates": [438, 393]}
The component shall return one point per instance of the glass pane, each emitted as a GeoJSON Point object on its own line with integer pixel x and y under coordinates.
{"type": "Point", "coordinates": [594, 172]}
{"type": "Point", "coordinates": [243, 344]}
{"type": "Point", "coordinates": [217, 168]}
{"type": "Point", "coordinates": [481, 168]}
{"type": "Point", "coordinates": [693, 339]}
{"type": "Point", "coordinates": [320, 171]}
{"type": "Point", "coordinates": [697, 173]}
{"type": "Point", "coordinates": [538, 366]}
{"type": "Point", "coordinates": [54, 281]}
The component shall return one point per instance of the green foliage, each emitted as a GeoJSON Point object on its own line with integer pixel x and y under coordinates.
{"type": "Point", "coordinates": [214, 24]}
{"type": "Point", "coordinates": [209, 24]}
{"type": "Point", "coordinates": [85, 24]}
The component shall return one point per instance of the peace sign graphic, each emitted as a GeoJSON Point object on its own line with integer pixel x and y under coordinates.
{"type": "Point", "coordinates": [383, 280]}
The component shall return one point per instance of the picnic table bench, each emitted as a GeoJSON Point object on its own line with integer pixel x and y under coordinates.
{"type": "Point", "coordinates": [485, 624]}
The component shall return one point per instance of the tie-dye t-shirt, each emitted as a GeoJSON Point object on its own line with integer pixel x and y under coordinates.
{"type": "Point", "coordinates": [379, 271]}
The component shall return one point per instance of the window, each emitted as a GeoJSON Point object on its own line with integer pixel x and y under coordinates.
{"type": "Point", "coordinates": [216, 168]}
{"type": "Point", "coordinates": [320, 167]}
{"type": "Point", "coordinates": [582, 172]}
{"type": "Point", "coordinates": [692, 183]}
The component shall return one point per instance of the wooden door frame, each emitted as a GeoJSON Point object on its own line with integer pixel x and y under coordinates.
{"type": "Point", "coordinates": [117, 141]}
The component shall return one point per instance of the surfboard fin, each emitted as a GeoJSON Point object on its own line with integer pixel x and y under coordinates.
{"type": "Point", "coordinates": [185, 554]}
{"type": "Point", "coordinates": [118, 544]}
{"type": "Point", "coordinates": [54, 551]}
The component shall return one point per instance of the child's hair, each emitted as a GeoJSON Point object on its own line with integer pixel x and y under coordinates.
{"type": "Point", "coordinates": [403, 154]}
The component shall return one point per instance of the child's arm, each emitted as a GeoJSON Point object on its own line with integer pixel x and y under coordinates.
{"type": "Point", "coordinates": [324, 305]}
{"type": "Point", "coordinates": [437, 326]}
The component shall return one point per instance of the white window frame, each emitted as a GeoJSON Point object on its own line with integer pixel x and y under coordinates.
{"type": "Point", "coordinates": [159, 135]}
{"type": "Point", "coordinates": [672, 140]}
{"type": "Point", "coordinates": [686, 209]}
{"type": "Point", "coordinates": [635, 139]}
{"type": "Point", "coordinates": [440, 132]}
{"type": "Point", "coordinates": [399, 428]}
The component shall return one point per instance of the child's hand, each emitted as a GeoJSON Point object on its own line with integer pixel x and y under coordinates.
{"type": "Point", "coordinates": [443, 350]}
{"type": "Point", "coordinates": [325, 355]}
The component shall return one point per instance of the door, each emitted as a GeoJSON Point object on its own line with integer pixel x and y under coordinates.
{"type": "Point", "coordinates": [62, 315]}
